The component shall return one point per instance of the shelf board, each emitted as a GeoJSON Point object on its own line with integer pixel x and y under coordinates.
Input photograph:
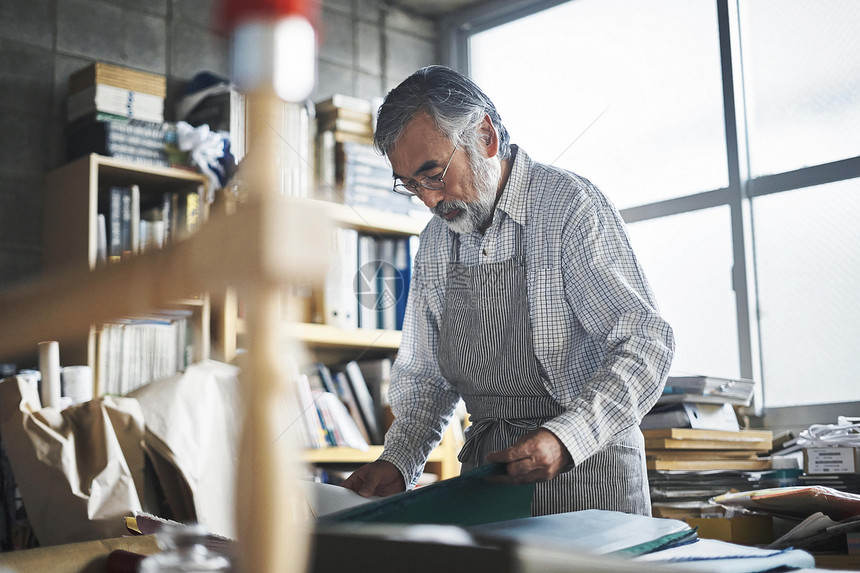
{"type": "Point", "coordinates": [374, 220]}
{"type": "Point", "coordinates": [353, 456]}
{"type": "Point", "coordinates": [111, 167]}
{"type": "Point", "coordinates": [325, 335]}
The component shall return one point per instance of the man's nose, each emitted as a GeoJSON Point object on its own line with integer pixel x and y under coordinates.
{"type": "Point", "coordinates": [432, 197]}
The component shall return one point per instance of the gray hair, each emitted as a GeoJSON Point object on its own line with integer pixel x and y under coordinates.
{"type": "Point", "coordinates": [453, 101]}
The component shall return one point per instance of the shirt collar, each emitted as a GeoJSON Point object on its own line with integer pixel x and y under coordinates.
{"type": "Point", "coordinates": [514, 199]}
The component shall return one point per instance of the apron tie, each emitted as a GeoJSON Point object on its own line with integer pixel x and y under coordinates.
{"type": "Point", "coordinates": [473, 434]}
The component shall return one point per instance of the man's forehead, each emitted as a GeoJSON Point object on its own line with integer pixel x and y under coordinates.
{"type": "Point", "coordinates": [420, 141]}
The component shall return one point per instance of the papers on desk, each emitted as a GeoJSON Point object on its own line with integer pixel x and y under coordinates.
{"type": "Point", "coordinates": [712, 555]}
{"type": "Point", "coordinates": [594, 531]}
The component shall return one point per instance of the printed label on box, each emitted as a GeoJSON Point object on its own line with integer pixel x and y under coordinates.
{"type": "Point", "coordinates": [830, 460]}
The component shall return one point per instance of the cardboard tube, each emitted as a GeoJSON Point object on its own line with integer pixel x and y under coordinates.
{"type": "Point", "coordinates": [49, 365]}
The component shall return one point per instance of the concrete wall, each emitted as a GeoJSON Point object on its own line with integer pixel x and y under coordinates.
{"type": "Point", "coordinates": [366, 49]}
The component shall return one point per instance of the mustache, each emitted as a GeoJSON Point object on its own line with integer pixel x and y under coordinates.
{"type": "Point", "coordinates": [443, 207]}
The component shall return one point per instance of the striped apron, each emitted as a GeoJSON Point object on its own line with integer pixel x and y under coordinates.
{"type": "Point", "coordinates": [486, 352]}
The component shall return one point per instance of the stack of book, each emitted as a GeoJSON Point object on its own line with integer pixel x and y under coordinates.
{"type": "Point", "coordinates": [133, 352]}
{"type": "Point", "coordinates": [707, 390]}
{"type": "Point", "coordinates": [350, 169]}
{"type": "Point", "coordinates": [688, 466]}
{"type": "Point", "coordinates": [341, 405]}
{"type": "Point", "coordinates": [368, 283]}
{"type": "Point", "coordinates": [692, 449]}
{"type": "Point", "coordinates": [702, 402]}
{"type": "Point", "coordinates": [118, 112]}
{"type": "Point", "coordinates": [129, 224]}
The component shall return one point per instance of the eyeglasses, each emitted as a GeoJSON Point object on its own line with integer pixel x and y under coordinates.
{"type": "Point", "coordinates": [432, 183]}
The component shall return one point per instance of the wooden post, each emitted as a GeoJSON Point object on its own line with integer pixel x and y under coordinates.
{"type": "Point", "coordinates": [273, 537]}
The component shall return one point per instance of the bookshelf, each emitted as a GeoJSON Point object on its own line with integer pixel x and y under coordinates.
{"type": "Point", "coordinates": [72, 195]}
{"type": "Point", "coordinates": [331, 344]}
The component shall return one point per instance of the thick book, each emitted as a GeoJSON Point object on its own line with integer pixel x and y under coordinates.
{"type": "Point", "coordinates": [366, 282]}
{"type": "Point", "coordinates": [118, 213]}
{"type": "Point", "coordinates": [365, 401]}
{"type": "Point", "coordinates": [403, 266]}
{"type": "Point", "coordinates": [707, 384]}
{"type": "Point", "coordinates": [114, 100]}
{"type": "Point", "coordinates": [341, 101]}
{"type": "Point", "coordinates": [716, 435]}
{"type": "Point", "coordinates": [703, 465]}
{"type": "Point", "coordinates": [386, 302]}
{"type": "Point", "coordinates": [117, 76]}
{"type": "Point", "coordinates": [340, 306]}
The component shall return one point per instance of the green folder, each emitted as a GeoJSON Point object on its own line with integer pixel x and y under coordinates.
{"type": "Point", "coordinates": [469, 499]}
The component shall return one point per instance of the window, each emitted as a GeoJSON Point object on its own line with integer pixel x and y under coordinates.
{"type": "Point", "coordinates": [748, 236]}
{"type": "Point", "coordinates": [808, 261]}
{"type": "Point", "coordinates": [629, 96]}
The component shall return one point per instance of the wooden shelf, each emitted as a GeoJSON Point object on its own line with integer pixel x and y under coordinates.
{"type": "Point", "coordinates": [322, 335]}
{"type": "Point", "coordinates": [373, 220]}
{"type": "Point", "coordinates": [325, 336]}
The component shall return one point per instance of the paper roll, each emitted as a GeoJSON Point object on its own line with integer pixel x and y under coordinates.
{"type": "Point", "coordinates": [49, 365]}
{"type": "Point", "coordinates": [77, 383]}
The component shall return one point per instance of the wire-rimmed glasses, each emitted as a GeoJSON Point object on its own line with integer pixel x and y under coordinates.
{"type": "Point", "coordinates": [432, 183]}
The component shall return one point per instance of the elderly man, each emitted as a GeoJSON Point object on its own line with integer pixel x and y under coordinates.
{"type": "Point", "coordinates": [527, 302]}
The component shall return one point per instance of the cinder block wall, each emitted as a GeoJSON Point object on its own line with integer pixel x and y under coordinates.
{"type": "Point", "coordinates": [366, 49]}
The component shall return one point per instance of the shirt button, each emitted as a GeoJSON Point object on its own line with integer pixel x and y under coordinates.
{"type": "Point", "coordinates": [485, 252]}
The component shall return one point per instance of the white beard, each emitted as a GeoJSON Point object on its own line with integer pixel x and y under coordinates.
{"type": "Point", "coordinates": [486, 174]}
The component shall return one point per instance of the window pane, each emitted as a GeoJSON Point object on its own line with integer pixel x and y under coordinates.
{"type": "Point", "coordinates": [688, 261]}
{"type": "Point", "coordinates": [802, 64]}
{"type": "Point", "coordinates": [808, 267]}
{"type": "Point", "coordinates": [624, 92]}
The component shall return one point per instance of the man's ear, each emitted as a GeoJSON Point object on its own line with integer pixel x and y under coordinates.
{"type": "Point", "coordinates": [489, 137]}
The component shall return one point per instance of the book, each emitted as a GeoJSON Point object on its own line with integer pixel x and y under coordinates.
{"type": "Point", "coordinates": [691, 415]}
{"type": "Point", "coordinates": [340, 307]}
{"type": "Point", "coordinates": [344, 392]}
{"type": "Point", "coordinates": [366, 282]}
{"type": "Point", "coordinates": [716, 464]}
{"type": "Point", "coordinates": [340, 101]}
{"type": "Point", "coordinates": [670, 398]}
{"type": "Point", "coordinates": [707, 389]}
{"type": "Point", "coordinates": [387, 277]}
{"type": "Point", "coordinates": [660, 443]}
{"type": "Point", "coordinates": [403, 267]}
{"type": "Point", "coordinates": [714, 435]}
{"type": "Point", "coordinates": [114, 100]}
{"type": "Point", "coordinates": [695, 439]}
{"type": "Point", "coordinates": [377, 374]}
{"type": "Point", "coordinates": [134, 219]}
{"type": "Point", "coordinates": [364, 401]}
{"type": "Point", "coordinates": [117, 213]}
{"type": "Point", "coordinates": [117, 76]}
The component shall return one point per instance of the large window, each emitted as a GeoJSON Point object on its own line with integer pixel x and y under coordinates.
{"type": "Point", "coordinates": [741, 190]}
{"type": "Point", "coordinates": [624, 92]}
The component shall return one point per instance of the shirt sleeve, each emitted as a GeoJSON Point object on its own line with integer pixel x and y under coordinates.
{"type": "Point", "coordinates": [616, 312]}
{"type": "Point", "coordinates": [422, 401]}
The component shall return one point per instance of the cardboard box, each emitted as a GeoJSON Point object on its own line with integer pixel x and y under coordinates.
{"type": "Point", "coordinates": [831, 460]}
{"type": "Point", "coordinates": [745, 530]}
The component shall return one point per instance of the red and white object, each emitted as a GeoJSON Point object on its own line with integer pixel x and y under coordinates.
{"type": "Point", "coordinates": [274, 45]}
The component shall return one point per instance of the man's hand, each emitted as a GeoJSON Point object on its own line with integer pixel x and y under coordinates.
{"type": "Point", "coordinates": [537, 456]}
{"type": "Point", "coordinates": [379, 478]}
